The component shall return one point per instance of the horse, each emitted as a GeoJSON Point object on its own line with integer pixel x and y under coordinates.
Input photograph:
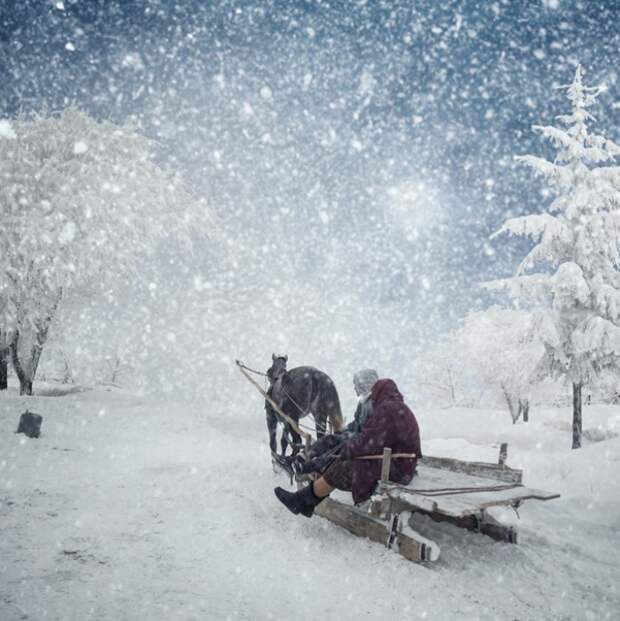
{"type": "Point", "coordinates": [299, 392]}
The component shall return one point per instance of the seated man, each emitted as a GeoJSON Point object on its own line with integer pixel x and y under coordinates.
{"type": "Point", "coordinates": [390, 425]}
{"type": "Point", "coordinates": [325, 450]}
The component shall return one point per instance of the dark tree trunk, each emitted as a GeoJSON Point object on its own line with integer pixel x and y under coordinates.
{"type": "Point", "coordinates": [526, 411]}
{"type": "Point", "coordinates": [524, 407]}
{"type": "Point", "coordinates": [25, 383]}
{"type": "Point", "coordinates": [577, 415]}
{"type": "Point", "coordinates": [27, 374]}
{"type": "Point", "coordinates": [4, 369]}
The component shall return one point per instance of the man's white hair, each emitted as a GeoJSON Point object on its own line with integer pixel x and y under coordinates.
{"type": "Point", "coordinates": [364, 380]}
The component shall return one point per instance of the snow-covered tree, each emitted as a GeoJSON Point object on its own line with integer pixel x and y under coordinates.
{"type": "Point", "coordinates": [502, 353]}
{"type": "Point", "coordinates": [442, 376]}
{"type": "Point", "coordinates": [571, 276]}
{"type": "Point", "coordinates": [82, 203]}
{"type": "Point", "coordinates": [491, 354]}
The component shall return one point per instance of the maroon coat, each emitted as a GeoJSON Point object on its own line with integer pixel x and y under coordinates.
{"type": "Point", "coordinates": [392, 425]}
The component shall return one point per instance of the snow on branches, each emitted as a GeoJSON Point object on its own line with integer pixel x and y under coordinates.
{"type": "Point", "coordinates": [493, 354]}
{"type": "Point", "coordinates": [571, 277]}
{"type": "Point", "coordinates": [83, 203]}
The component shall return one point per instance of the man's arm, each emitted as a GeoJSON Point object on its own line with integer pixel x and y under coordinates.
{"type": "Point", "coordinates": [370, 441]}
{"type": "Point", "coordinates": [354, 425]}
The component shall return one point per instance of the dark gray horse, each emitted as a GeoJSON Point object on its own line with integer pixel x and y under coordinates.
{"type": "Point", "coordinates": [299, 392]}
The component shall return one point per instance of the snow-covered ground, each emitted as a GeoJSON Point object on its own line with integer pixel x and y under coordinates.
{"type": "Point", "coordinates": [127, 508]}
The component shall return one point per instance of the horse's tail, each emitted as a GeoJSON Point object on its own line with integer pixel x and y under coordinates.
{"type": "Point", "coordinates": [334, 412]}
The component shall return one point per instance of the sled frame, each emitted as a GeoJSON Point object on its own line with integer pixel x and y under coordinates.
{"type": "Point", "coordinates": [474, 487]}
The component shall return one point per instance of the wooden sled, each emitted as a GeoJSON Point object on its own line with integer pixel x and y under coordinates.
{"type": "Point", "coordinates": [446, 490]}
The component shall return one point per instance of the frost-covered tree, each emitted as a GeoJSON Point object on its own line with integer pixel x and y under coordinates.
{"type": "Point", "coordinates": [502, 353]}
{"type": "Point", "coordinates": [83, 204]}
{"type": "Point", "coordinates": [6, 133]}
{"type": "Point", "coordinates": [492, 353]}
{"type": "Point", "coordinates": [571, 275]}
{"type": "Point", "coordinates": [442, 374]}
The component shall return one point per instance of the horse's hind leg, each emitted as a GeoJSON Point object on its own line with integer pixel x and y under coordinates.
{"type": "Point", "coordinates": [295, 441]}
{"type": "Point", "coordinates": [284, 440]}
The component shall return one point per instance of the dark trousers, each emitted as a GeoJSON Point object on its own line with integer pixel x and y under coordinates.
{"type": "Point", "coordinates": [324, 451]}
{"type": "Point", "coordinates": [340, 475]}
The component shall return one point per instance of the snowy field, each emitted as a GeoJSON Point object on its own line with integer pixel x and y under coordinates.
{"type": "Point", "coordinates": [131, 509]}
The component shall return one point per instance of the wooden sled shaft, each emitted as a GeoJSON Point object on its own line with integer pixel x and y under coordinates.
{"type": "Point", "coordinates": [307, 437]}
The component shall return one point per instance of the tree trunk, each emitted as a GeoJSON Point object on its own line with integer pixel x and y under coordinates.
{"type": "Point", "coordinates": [526, 410]}
{"type": "Point", "coordinates": [4, 369]}
{"type": "Point", "coordinates": [25, 382]}
{"type": "Point", "coordinates": [514, 413]}
{"type": "Point", "coordinates": [26, 375]}
{"type": "Point", "coordinates": [577, 415]}
{"type": "Point", "coordinates": [27, 372]}
{"type": "Point", "coordinates": [451, 387]}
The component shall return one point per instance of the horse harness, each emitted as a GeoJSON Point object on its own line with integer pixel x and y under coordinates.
{"type": "Point", "coordinates": [282, 388]}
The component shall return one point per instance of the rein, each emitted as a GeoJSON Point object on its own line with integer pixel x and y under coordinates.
{"type": "Point", "coordinates": [301, 410]}
{"type": "Point", "coordinates": [243, 366]}
{"type": "Point", "coordinates": [288, 396]}
{"type": "Point", "coordinates": [274, 405]}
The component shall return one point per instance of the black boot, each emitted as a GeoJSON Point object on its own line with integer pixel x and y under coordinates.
{"type": "Point", "coordinates": [302, 501]}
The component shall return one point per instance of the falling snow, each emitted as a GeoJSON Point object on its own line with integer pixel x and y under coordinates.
{"type": "Point", "coordinates": [183, 184]}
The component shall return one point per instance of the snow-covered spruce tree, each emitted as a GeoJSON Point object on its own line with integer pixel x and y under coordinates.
{"type": "Point", "coordinates": [82, 204]}
{"type": "Point", "coordinates": [571, 276]}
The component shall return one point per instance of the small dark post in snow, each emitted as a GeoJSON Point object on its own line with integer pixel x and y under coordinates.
{"type": "Point", "coordinates": [503, 453]}
{"type": "Point", "coordinates": [30, 424]}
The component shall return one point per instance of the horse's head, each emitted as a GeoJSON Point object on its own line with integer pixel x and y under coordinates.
{"type": "Point", "coordinates": [277, 368]}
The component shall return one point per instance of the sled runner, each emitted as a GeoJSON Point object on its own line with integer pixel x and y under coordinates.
{"type": "Point", "coordinates": [446, 490]}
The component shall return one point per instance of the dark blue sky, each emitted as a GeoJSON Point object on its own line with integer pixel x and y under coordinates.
{"type": "Point", "coordinates": [297, 119]}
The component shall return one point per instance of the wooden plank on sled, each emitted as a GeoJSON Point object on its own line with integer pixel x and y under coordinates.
{"type": "Point", "coordinates": [455, 494]}
{"type": "Point", "coordinates": [499, 472]}
{"type": "Point", "coordinates": [386, 532]}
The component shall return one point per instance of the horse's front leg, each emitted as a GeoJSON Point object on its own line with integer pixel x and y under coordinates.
{"type": "Point", "coordinates": [272, 425]}
{"type": "Point", "coordinates": [284, 440]}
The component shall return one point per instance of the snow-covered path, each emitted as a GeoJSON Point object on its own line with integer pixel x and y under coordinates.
{"type": "Point", "coordinates": [125, 509]}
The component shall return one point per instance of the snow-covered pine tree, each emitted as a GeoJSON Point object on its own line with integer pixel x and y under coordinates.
{"type": "Point", "coordinates": [571, 276]}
